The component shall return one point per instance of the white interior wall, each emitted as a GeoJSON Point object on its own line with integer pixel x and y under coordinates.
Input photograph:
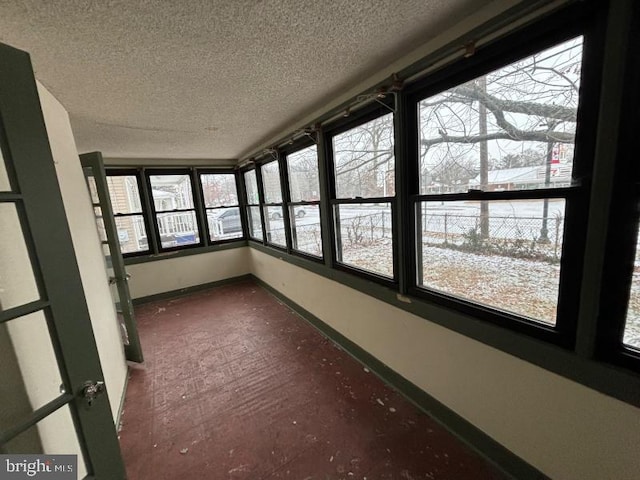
{"type": "Point", "coordinates": [86, 243]}
{"type": "Point", "coordinates": [177, 273]}
{"type": "Point", "coordinates": [36, 367]}
{"type": "Point", "coordinates": [563, 428]}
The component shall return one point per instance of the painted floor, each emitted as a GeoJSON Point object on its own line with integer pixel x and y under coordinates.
{"type": "Point", "coordinates": [237, 386]}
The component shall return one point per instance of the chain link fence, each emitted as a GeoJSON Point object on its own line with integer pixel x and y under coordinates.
{"type": "Point", "coordinates": [535, 238]}
{"type": "Point", "coordinates": [529, 237]}
{"type": "Point", "coordinates": [365, 229]}
{"type": "Point", "coordinates": [308, 238]}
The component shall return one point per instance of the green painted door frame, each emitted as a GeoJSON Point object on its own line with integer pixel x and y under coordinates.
{"type": "Point", "coordinates": [34, 194]}
{"type": "Point", "coordinates": [93, 161]}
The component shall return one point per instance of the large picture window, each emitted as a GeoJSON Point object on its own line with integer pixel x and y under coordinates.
{"type": "Point", "coordinates": [489, 149]}
{"type": "Point", "coordinates": [173, 208]}
{"type": "Point", "coordinates": [124, 193]}
{"type": "Point", "coordinates": [304, 207]}
{"type": "Point", "coordinates": [364, 183]}
{"type": "Point", "coordinates": [220, 196]}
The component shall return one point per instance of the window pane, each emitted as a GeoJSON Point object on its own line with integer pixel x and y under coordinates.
{"type": "Point", "coordinates": [132, 234]}
{"type": "Point", "coordinates": [102, 232]}
{"type": "Point", "coordinates": [507, 257]}
{"type": "Point", "coordinates": [177, 229]}
{"type": "Point", "coordinates": [365, 237]}
{"type": "Point", "coordinates": [303, 175]}
{"type": "Point", "coordinates": [305, 229]}
{"type": "Point", "coordinates": [271, 183]}
{"type": "Point", "coordinates": [275, 226]}
{"type": "Point", "coordinates": [224, 223]}
{"type": "Point", "coordinates": [255, 225]}
{"type": "Point", "coordinates": [17, 280]}
{"type": "Point", "coordinates": [219, 190]}
{"type": "Point", "coordinates": [29, 367]}
{"type": "Point", "coordinates": [364, 161]}
{"type": "Point", "coordinates": [511, 129]}
{"type": "Point", "coordinates": [93, 190]}
{"type": "Point", "coordinates": [124, 194]}
{"type": "Point", "coordinates": [251, 185]}
{"type": "Point", "coordinates": [632, 327]}
{"type": "Point", "coordinates": [171, 191]}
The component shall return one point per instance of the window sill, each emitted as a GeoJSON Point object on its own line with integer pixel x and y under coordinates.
{"type": "Point", "coordinates": [133, 260]}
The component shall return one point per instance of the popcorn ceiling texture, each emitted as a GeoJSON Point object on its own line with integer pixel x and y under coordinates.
{"type": "Point", "coordinates": [209, 79]}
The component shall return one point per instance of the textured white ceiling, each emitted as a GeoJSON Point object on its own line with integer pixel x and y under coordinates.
{"type": "Point", "coordinates": [209, 78]}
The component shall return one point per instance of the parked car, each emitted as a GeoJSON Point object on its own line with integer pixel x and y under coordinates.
{"type": "Point", "coordinates": [229, 221]}
{"type": "Point", "coordinates": [167, 240]}
{"type": "Point", "coordinates": [300, 212]}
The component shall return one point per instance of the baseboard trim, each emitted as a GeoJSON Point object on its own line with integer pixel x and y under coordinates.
{"type": "Point", "coordinates": [189, 290]}
{"type": "Point", "coordinates": [476, 439]}
{"type": "Point", "coordinates": [122, 398]}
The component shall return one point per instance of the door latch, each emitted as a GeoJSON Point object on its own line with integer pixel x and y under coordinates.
{"type": "Point", "coordinates": [91, 389]}
{"type": "Point", "coordinates": [113, 280]}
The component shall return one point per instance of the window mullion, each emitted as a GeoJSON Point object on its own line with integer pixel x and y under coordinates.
{"type": "Point", "coordinates": [242, 203]}
{"type": "Point", "coordinates": [325, 179]}
{"type": "Point", "coordinates": [402, 232]}
{"type": "Point", "coordinates": [407, 187]}
{"type": "Point", "coordinates": [148, 208]}
{"type": "Point", "coordinates": [198, 205]}
{"type": "Point", "coordinates": [286, 198]}
{"type": "Point", "coordinates": [261, 203]}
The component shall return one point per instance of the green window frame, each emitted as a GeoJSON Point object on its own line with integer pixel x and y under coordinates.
{"type": "Point", "coordinates": [361, 164]}
{"type": "Point", "coordinates": [221, 204]}
{"type": "Point", "coordinates": [303, 192]}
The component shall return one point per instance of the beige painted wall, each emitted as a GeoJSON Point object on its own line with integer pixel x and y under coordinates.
{"type": "Point", "coordinates": [176, 273]}
{"type": "Point", "coordinates": [564, 429]}
{"type": "Point", "coordinates": [86, 243]}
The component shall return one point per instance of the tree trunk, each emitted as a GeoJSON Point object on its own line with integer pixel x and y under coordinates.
{"type": "Point", "coordinates": [484, 161]}
{"type": "Point", "coordinates": [544, 231]}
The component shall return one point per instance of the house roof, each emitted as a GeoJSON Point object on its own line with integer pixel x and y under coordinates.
{"type": "Point", "coordinates": [533, 174]}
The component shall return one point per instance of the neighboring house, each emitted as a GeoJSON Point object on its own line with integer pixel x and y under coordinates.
{"type": "Point", "coordinates": [523, 178]}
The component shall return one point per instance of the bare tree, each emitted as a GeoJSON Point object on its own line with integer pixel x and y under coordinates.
{"type": "Point", "coordinates": [527, 158]}
{"type": "Point", "coordinates": [363, 160]}
{"type": "Point", "coordinates": [303, 174]}
{"type": "Point", "coordinates": [520, 108]}
{"type": "Point", "coordinates": [452, 171]}
{"type": "Point", "coordinates": [219, 189]}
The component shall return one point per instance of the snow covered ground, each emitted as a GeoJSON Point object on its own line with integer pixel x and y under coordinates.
{"type": "Point", "coordinates": [524, 287]}
{"type": "Point", "coordinates": [520, 286]}
{"type": "Point", "coordinates": [375, 256]}
{"type": "Point", "coordinates": [632, 329]}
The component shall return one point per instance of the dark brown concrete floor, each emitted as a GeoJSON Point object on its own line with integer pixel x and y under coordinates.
{"type": "Point", "coordinates": [237, 386]}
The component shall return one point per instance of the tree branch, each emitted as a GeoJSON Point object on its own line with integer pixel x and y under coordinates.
{"type": "Point", "coordinates": [544, 136]}
{"type": "Point", "coordinates": [557, 112]}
